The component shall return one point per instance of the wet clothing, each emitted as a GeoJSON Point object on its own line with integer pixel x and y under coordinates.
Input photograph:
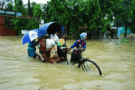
{"type": "Point", "coordinates": [77, 43]}
{"type": "Point", "coordinates": [32, 44]}
{"type": "Point", "coordinates": [32, 48]}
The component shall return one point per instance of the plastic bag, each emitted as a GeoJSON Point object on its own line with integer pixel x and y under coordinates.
{"type": "Point", "coordinates": [55, 38]}
{"type": "Point", "coordinates": [49, 43]}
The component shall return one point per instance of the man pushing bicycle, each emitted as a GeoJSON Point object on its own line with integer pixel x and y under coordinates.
{"type": "Point", "coordinates": [81, 43]}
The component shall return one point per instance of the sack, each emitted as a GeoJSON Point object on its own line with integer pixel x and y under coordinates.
{"type": "Point", "coordinates": [53, 52]}
{"type": "Point", "coordinates": [49, 43]}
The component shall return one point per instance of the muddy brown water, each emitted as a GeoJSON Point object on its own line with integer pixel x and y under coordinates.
{"type": "Point", "coordinates": [20, 72]}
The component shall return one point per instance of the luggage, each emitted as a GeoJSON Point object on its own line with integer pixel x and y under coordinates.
{"type": "Point", "coordinates": [53, 52]}
{"type": "Point", "coordinates": [49, 44]}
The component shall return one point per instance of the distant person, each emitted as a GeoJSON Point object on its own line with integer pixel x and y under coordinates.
{"type": "Point", "coordinates": [56, 32]}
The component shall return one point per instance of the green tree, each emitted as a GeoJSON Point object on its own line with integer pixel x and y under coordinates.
{"type": "Point", "coordinates": [125, 11]}
{"type": "Point", "coordinates": [21, 23]}
{"type": "Point", "coordinates": [32, 7]}
{"type": "Point", "coordinates": [46, 15]}
{"type": "Point", "coordinates": [17, 22]}
{"type": "Point", "coordinates": [37, 12]}
{"type": "Point", "coordinates": [18, 6]}
{"type": "Point", "coordinates": [10, 7]}
{"type": "Point", "coordinates": [132, 23]}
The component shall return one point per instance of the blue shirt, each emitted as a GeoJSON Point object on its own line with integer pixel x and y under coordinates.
{"type": "Point", "coordinates": [76, 44]}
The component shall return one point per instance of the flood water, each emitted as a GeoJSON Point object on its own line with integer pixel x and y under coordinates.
{"type": "Point", "coordinates": [20, 72]}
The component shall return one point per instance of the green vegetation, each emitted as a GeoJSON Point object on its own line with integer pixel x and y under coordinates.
{"type": "Point", "coordinates": [75, 13]}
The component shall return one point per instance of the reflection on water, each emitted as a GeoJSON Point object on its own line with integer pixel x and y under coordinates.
{"type": "Point", "coordinates": [20, 72]}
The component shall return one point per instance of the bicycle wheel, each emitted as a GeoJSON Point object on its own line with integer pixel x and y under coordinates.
{"type": "Point", "coordinates": [88, 65]}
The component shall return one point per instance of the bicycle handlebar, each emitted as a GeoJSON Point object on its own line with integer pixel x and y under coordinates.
{"type": "Point", "coordinates": [80, 49]}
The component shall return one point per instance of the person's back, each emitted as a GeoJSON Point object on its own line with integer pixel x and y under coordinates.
{"type": "Point", "coordinates": [31, 48]}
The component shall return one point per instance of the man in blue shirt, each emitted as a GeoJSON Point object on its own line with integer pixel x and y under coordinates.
{"type": "Point", "coordinates": [78, 44]}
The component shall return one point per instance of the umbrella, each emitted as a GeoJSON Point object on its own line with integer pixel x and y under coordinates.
{"type": "Point", "coordinates": [30, 36]}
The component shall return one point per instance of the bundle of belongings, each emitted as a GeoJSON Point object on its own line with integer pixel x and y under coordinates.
{"type": "Point", "coordinates": [53, 44]}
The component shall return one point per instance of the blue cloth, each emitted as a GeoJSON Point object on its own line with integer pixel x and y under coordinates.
{"type": "Point", "coordinates": [76, 44]}
{"type": "Point", "coordinates": [31, 51]}
{"type": "Point", "coordinates": [32, 48]}
{"type": "Point", "coordinates": [32, 44]}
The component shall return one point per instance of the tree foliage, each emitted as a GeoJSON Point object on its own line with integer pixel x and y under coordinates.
{"type": "Point", "coordinates": [22, 23]}
{"type": "Point", "coordinates": [125, 12]}
{"type": "Point", "coordinates": [10, 7]}
{"type": "Point", "coordinates": [37, 12]}
{"type": "Point", "coordinates": [75, 13]}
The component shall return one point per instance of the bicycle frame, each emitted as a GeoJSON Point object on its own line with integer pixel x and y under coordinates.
{"type": "Point", "coordinates": [85, 65]}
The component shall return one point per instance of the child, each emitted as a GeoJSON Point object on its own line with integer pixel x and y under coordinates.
{"type": "Point", "coordinates": [81, 42]}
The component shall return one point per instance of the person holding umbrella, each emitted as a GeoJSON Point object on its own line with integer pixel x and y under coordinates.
{"type": "Point", "coordinates": [30, 38]}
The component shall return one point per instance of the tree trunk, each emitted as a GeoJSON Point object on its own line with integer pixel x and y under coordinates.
{"type": "Point", "coordinates": [125, 34]}
{"type": "Point", "coordinates": [68, 27]}
{"type": "Point", "coordinates": [73, 36]}
{"type": "Point", "coordinates": [2, 5]}
{"type": "Point", "coordinates": [29, 8]}
{"type": "Point", "coordinates": [90, 33]}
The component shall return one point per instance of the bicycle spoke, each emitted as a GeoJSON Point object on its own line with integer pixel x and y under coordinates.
{"type": "Point", "coordinates": [91, 66]}
{"type": "Point", "coordinates": [88, 66]}
{"type": "Point", "coordinates": [84, 67]}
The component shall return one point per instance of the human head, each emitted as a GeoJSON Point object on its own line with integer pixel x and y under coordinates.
{"type": "Point", "coordinates": [56, 31]}
{"type": "Point", "coordinates": [83, 36]}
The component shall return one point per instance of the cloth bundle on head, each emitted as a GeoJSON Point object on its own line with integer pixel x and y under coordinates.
{"type": "Point", "coordinates": [83, 35]}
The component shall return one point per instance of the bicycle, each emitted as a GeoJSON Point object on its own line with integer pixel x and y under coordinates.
{"type": "Point", "coordinates": [87, 65]}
